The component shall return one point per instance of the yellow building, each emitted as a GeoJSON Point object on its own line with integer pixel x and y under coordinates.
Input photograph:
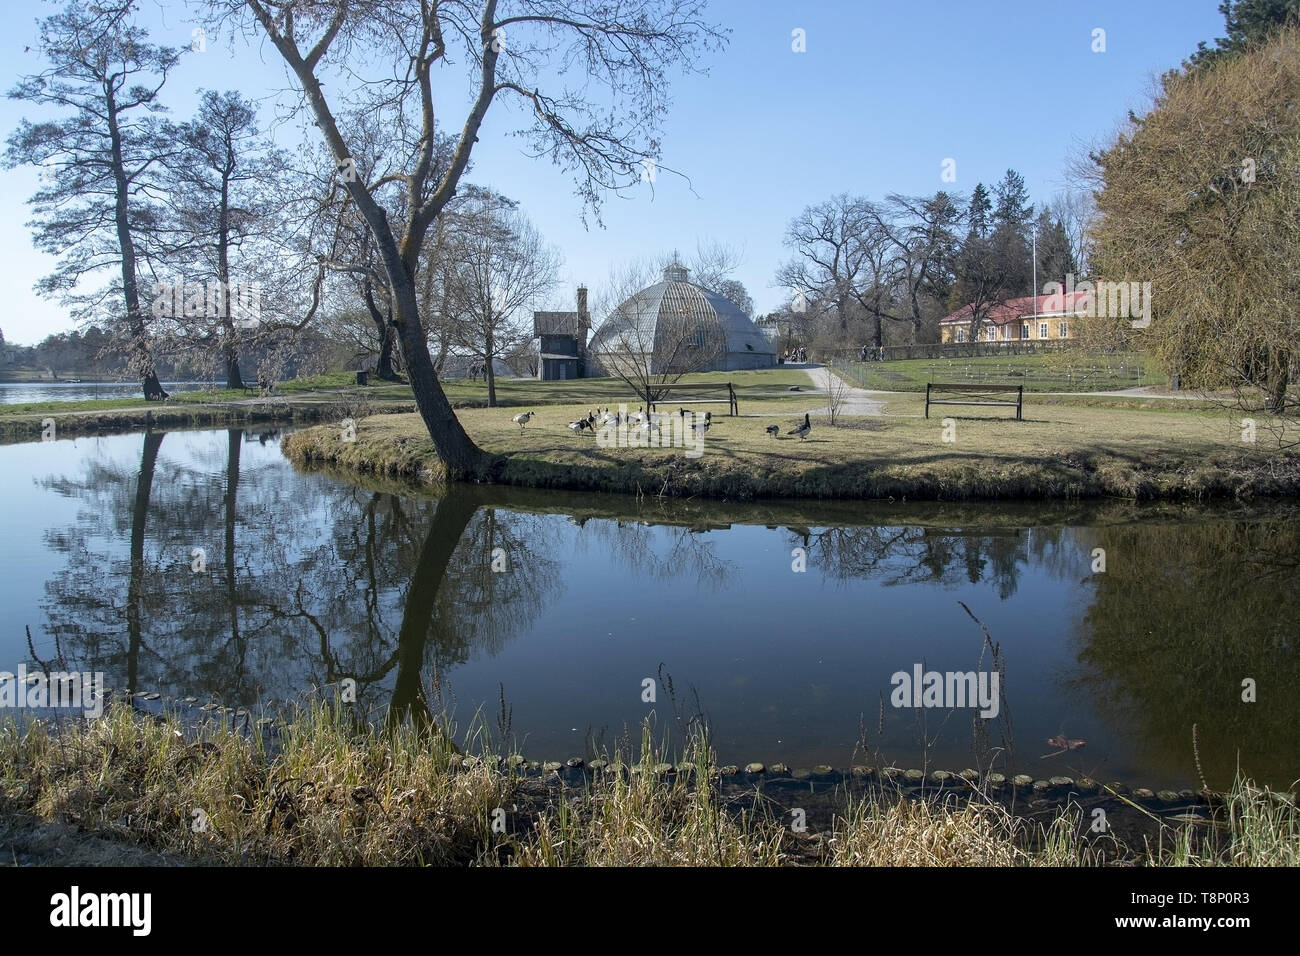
{"type": "Point", "coordinates": [1029, 318]}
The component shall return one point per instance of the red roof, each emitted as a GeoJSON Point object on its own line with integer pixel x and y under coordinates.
{"type": "Point", "coordinates": [1014, 310]}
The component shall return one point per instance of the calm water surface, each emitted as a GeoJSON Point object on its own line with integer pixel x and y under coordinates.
{"type": "Point", "coordinates": [14, 393]}
{"type": "Point", "coordinates": [309, 579]}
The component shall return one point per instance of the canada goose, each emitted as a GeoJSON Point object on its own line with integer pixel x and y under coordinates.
{"type": "Point", "coordinates": [802, 430]}
{"type": "Point", "coordinates": [579, 425]}
{"type": "Point", "coordinates": [773, 430]}
{"type": "Point", "coordinates": [638, 416]}
{"type": "Point", "coordinates": [522, 419]}
{"type": "Point", "coordinates": [701, 427]}
{"type": "Point", "coordinates": [684, 412]}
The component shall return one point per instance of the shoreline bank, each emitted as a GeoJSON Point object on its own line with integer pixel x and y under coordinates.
{"type": "Point", "coordinates": [330, 792]}
{"type": "Point", "coordinates": [391, 446]}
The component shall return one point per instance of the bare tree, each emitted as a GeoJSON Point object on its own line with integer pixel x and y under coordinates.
{"type": "Point", "coordinates": [922, 235]}
{"type": "Point", "coordinates": [838, 391]}
{"type": "Point", "coordinates": [221, 186]}
{"type": "Point", "coordinates": [1076, 210]}
{"type": "Point", "coordinates": [98, 208]}
{"type": "Point", "coordinates": [713, 267]}
{"type": "Point", "coordinates": [511, 52]}
{"type": "Point", "coordinates": [499, 267]}
{"type": "Point", "coordinates": [830, 266]}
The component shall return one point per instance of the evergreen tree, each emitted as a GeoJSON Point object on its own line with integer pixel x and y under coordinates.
{"type": "Point", "coordinates": [977, 213]}
{"type": "Point", "coordinates": [1012, 205]}
{"type": "Point", "coordinates": [1055, 258]}
{"type": "Point", "coordinates": [102, 149]}
{"type": "Point", "coordinates": [1247, 22]}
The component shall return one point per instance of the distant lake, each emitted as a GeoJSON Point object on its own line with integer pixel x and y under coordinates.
{"type": "Point", "coordinates": [16, 393]}
{"type": "Point", "coordinates": [566, 604]}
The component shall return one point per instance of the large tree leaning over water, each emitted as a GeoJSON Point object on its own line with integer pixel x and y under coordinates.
{"type": "Point", "coordinates": [550, 58]}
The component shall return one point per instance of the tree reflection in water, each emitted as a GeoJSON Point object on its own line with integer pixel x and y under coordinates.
{"type": "Point", "coordinates": [309, 580]}
{"type": "Point", "coordinates": [296, 590]}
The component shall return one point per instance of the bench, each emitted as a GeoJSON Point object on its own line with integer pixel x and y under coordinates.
{"type": "Point", "coordinates": [664, 391]}
{"type": "Point", "coordinates": [984, 395]}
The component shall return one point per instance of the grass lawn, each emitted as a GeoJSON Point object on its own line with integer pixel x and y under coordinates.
{"type": "Point", "coordinates": [1059, 450]}
{"type": "Point", "coordinates": [462, 393]}
{"type": "Point", "coordinates": [1064, 371]}
{"type": "Point", "coordinates": [527, 392]}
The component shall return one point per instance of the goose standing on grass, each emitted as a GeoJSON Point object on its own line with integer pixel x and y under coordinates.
{"type": "Point", "coordinates": [773, 430]}
{"type": "Point", "coordinates": [802, 430]}
{"type": "Point", "coordinates": [579, 425]}
{"type": "Point", "coordinates": [522, 419]}
{"type": "Point", "coordinates": [684, 412]}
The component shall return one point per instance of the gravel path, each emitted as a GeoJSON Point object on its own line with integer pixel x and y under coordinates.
{"type": "Point", "coordinates": [857, 401]}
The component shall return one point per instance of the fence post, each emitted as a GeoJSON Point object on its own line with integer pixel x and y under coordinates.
{"type": "Point", "coordinates": [927, 399]}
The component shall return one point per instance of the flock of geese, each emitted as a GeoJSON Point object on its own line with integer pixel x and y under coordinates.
{"type": "Point", "coordinates": [650, 422]}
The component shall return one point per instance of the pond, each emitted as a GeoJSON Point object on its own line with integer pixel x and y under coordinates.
{"type": "Point", "coordinates": [202, 564]}
{"type": "Point", "coordinates": [14, 393]}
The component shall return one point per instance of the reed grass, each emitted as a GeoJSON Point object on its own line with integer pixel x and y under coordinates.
{"type": "Point", "coordinates": [324, 791]}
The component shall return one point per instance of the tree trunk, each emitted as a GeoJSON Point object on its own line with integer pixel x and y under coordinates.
{"type": "Point", "coordinates": [230, 353]}
{"type": "Point", "coordinates": [459, 455]}
{"type": "Point", "coordinates": [489, 373]}
{"type": "Point", "coordinates": [384, 330]}
{"type": "Point", "coordinates": [234, 447]}
{"type": "Point", "coordinates": [450, 519]}
{"type": "Point", "coordinates": [139, 344]}
{"type": "Point", "coordinates": [384, 364]}
{"type": "Point", "coordinates": [1278, 379]}
{"type": "Point", "coordinates": [139, 515]}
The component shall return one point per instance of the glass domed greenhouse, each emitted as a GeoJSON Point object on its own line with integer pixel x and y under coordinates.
{"type": "Point", "coordinates": [677, 326]}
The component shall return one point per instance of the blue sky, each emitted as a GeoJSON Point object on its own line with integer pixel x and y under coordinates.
{"type": "Point", "coordinates": [883, 94]}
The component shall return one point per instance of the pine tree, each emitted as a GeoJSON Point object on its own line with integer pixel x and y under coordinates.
{"type": "Point", "coordinates": [977, 213]}
{"type": "Point", "coordinates": [1247, 22]}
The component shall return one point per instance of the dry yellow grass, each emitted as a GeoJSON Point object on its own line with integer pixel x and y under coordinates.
{"type": "Point", "coordinates": [1058, 451]}
{"type": "Point", "coordinates": [125, 789]}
